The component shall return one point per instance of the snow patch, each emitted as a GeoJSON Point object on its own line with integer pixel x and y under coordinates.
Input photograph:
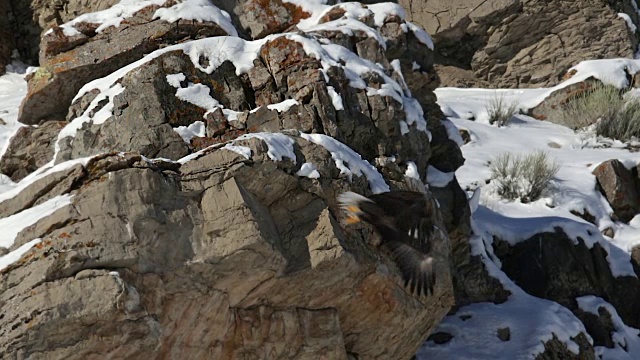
{"type": "Point", "coordinates": [12, 225]}
{"type": "Point", "coordinates": [197, 129]}
{"type": "Point", "coordinates": [16, 254]}
{"type": "Point", "coordinates": [626, 339]}
{"type": "Point", "coordinates": [308, 170]}
{"type": "Point", "coordinates": [349, 162]}
{"type": "Point", "coordinates": [437, 178]}
{"type": "Point", "coordinates": [197, 10]}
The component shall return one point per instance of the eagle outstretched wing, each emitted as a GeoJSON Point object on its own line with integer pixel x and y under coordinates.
{"type": "Point", "coordinates": [403, 220]}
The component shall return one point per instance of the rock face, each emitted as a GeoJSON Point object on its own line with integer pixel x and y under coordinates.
{"type": "Point", "coordinates": [69, 62]}
{"type": "Point", "coordinates": [621, 188]}
{"type": "Point", "coordinates": [178, 219]}
{"type": "Point", "coordinates": [29, 18]}
{"type": "Point", "coordinates": [523, 43]}
{"type": "Point", "coordinates": [555, 267]}
{"type": "Point", "coordinates": [155, 252]}
{"type": "Point", "coordinates": [31, 148]}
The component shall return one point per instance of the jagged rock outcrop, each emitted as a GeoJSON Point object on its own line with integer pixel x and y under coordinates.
{"type": "Point", "coordinates": [161, 248]}
{"type": "Point", "coordinates": [77, 52]}
{"type": "Point", "coordinates": [555, 267]}
{"type": "Point", "coordinates": [621, 188]}
{"type": "Point", "coordinates": [30, 149]}
{"type": "Point", "coordinates": [524, 43]}
{"type": "Point", "coordinates": [156, 236]}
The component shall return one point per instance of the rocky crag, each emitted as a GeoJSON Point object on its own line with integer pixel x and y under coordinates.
{"type": "Point", "coordinates": [177, 173]}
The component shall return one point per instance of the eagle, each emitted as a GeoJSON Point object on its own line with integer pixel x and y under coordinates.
{"type": "Point", "coordinates": [403, 220]}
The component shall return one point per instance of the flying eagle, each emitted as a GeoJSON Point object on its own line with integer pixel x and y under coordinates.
{"type": "Point", "coordinates": [402, 218]}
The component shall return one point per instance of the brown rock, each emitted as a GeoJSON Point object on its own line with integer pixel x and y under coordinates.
{"type": "Point", "coordinates": [236, 250]}
{"type": "Point", "coordinates": [510, 43]}
{"type": "Point", "coordinates": [66, 64]}
{"type": "Point", "coordinates": [618, 185]}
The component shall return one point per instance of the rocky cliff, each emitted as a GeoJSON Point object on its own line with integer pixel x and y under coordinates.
{"type": "Point", "coordinates": [164, 211]}
{"type": "Point", "coordinates": [173, 187]}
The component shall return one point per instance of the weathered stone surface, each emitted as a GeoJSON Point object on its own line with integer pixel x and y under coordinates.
{"type": "Point", "coordinates": [158, 110]}
{"type": "Point", "coordinates": [30, 18]}
{"type": "Point", "coordinates": [620, 187]}
{"type": "Point", "coordinates": [57, 183]}
{"type": "Point", "coordinates": [551, 266]}
{"type": "Point", "coordinates": [173, 244]}
{"type": "Point", "coordinates": [528, 43]}
{"type": "Point", "coordinates": [67, 63]}
{"type": "Point", "coordinates": [30, 148]}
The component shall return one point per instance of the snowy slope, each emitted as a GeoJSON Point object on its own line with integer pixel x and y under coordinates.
{"type": "Point", "coordinates": [475, 327]}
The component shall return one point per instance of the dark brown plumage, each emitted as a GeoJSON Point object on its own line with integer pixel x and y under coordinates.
{"type": "Point", "coordinates": [403, 220]}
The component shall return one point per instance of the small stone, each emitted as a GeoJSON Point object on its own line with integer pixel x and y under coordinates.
{"type": "Point", "coordinates": [504, 334]}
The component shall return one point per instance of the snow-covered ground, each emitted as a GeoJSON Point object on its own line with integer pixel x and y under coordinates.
{"type": "Point", "coordinates": [530, 319]}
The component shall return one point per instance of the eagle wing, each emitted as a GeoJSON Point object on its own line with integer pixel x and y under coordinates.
{"type": "Point", "coordinates": [417, 268]}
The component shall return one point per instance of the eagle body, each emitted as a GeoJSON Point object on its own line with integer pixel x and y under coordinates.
{"type": "Point", "coordinates": [403, 220]}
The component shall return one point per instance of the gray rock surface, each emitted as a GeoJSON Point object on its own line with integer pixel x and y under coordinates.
{"type": "Point", "coordinates": [30, 148]}
{"type": "Point", "coordinates": [154, 253]}
{"type": "Point", "coordinates": [523, 43]}
{"type": "Point", "coordinates": [67, 63]}
{"type": "Point", "coordinates": [222, 257]}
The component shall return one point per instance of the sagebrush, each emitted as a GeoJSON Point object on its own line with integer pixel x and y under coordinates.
{"type": "Point", "coordinates": [501, 109]}
{"type": "Point", "coordinates": [598, 102]}
{"type": "Point", "coordinates": [615, 115]}
{"type": "Point", "coordinates": [523, 177]}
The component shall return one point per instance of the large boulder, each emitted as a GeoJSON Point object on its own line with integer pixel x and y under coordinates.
{"type": "Point", "coordinates": [620, 187]}
{"type": "Point", "coordinates": [528, 43]}
{"type": "Point", "coordinates": [149, 258]}
{"type": "Point", "coordinates": [82, 50]}
{"type": "Point", "coordinates": [554, 266]}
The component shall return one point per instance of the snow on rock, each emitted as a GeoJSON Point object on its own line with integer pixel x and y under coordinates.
{"type": "Point", "coordinates": [354, 13]}
{"type": "Point", "coordinates": [475, 327]}
{"type": "Point", "coordinates": [280, 145]}
{"type": "Point", "coordinates": [112, 16]}
{"type": "Point", "coordinates": [13, 88]}
{"type": "Point", "coordinates": [336, 99]}
{"type": "Point", "coordinates": [11, 226]}
{"type": "Point", "coordinates": [308, 170]}
{"type": "Point", "coordinates": [412, 171]}
{"type": "Point", "coordinates": [625, 338]}
{"type": "Point", "coordinates": [573, 189]}
{"type": "Point", "coordinates": [438, 178]}
{"type": "Point", "coordinates": [197, 129]}
{"type": "Point", "coordinates": [197, 10]}
{"type": "Point", "coordinates": [12, 189]}
{"type": "Point", "coordinates": [16, 254]}
{"type": "Point", "coordinates": [349, 162]}
{"type": "Point", "coordinates": [627, 19]}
